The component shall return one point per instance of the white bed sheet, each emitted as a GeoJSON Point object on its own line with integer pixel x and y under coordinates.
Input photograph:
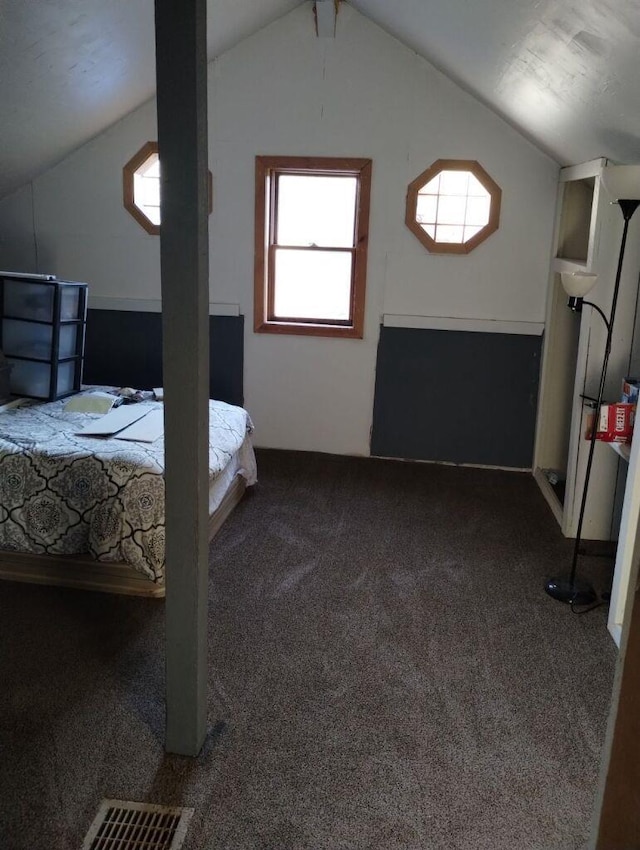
{"type": "Point", "coordinates": [242, 463]}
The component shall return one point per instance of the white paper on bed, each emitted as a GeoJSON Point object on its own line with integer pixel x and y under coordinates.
{"type": "Point", "coordinates": [114, 421]}
{"type": "Point", "coordinates": [145, 430]}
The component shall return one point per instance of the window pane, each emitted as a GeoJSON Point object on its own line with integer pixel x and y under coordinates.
{"type": "Point", "coordinates": [146, 196]}
{"type": "Point", "coordinates": [449, 233]}
{"type": "Point", "coordinates": [451, 210]}
{"type": "Point", "coordinates": [429, 229]}
{"type": "Point", "coordinates": [454, 182]}
{"type": "Point", "coordinates": [313, 285]}
{"type": "Point", "coordinates": [478, 210]}
{"type": "Point", "coordinates": [432, 187]}
{"type": "Point", "coordinates": [152, 213]}
{"type": "Point", "coordinates": [147, 191]}
{"type": "Point", "coordinates": [426, 208]}
{"type": "Point", "coordinates": [476, 188]}
{"type": "Point", "coordinates": [316, 210]}
{"type": "Point", "coordinates": [470, 231]}
{"type": "Point", "coordinates": [151, 168]}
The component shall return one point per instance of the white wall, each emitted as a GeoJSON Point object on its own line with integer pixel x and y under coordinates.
{"type": "Point", "coordinates": [283, 91]}
{"type": "Point", "coordinates": [17, 238]}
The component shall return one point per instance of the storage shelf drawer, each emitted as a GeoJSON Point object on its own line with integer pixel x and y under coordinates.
{"type": "Point", "coordinates": [26, 339]}
{"type": "Point", "coordinates": [33, 379]}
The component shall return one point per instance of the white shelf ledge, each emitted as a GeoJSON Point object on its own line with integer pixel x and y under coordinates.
{"type": "Point", "coordinates": [623, 449]}
{"type": "Point", "coordinates": [562, 264]}
{"type": "Point", "coordinates": [450, 323]}
{"type": "Point", "coordinates": [584, 170]}
{"type": "Point", "coordinates": [152, 305]}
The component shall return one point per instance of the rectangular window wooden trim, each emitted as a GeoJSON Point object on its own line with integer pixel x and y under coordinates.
{"type": "Point", "coordinates": [267, 169]}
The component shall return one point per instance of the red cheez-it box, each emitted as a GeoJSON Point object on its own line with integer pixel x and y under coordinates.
{"type": "Point", "coordinates": [615, 423]}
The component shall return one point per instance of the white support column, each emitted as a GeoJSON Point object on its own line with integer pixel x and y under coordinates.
{"type": "Point", "coordinates": [181, 70]}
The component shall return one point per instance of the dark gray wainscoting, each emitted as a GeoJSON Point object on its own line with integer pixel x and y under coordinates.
{"type": "Point", "coordinates": [458, 396]}
{"type": "Point", "coordinates": [124, 348]}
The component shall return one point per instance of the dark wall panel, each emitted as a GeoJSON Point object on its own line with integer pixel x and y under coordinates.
{"type": "Point", "coordinates": [124, 348]}
{"type": "Point", "coordinates": [457, 396]}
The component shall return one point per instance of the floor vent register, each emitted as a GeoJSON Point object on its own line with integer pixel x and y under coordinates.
{"type": "Point", "coordinates": [137, 826]}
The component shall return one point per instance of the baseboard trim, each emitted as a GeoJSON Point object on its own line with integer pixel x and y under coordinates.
{"type": "Point", "coordinates": [452, 463]}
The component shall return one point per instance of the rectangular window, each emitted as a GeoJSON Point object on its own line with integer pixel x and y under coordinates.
{"type": "Point", "coordinates": [312, 221]}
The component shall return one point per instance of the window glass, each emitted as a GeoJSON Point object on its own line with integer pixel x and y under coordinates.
{"type": "Point", "coordinates": [427, 208]}
{"type": "Point", "coordinates": [316, 210]}
{"type": "Point", "coordinates": [313, 285]}
{"type": "Point", "coordinates": [478, 210]}
{"type": "Point", "coordinates": [454, 183]}
{"type": "Point", "coordinates": [451, 209]}
{"type": "Point", "coordinates": [449, 233]}
{"type": "Point", "coordinates": [146, 188]}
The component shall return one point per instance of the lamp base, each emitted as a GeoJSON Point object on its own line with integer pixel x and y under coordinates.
{"type": "Point", "coordinates": [577, 592]}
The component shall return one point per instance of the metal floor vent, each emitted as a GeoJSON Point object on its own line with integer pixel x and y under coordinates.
{"type": "Point", "coordinates": [121, 825]}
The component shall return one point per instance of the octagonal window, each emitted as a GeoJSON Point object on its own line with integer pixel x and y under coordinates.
{"type": "Point", "coordinates": [453, 206]}
{"type": "Point", "coordinates": [141, 187]}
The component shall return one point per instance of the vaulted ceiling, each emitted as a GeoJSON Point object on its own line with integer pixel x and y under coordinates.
{"type": "Point", "coordinates": [564, 72]}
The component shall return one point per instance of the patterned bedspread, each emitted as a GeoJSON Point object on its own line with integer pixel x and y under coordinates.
{"type": "Point", "coordinates": [64, 494]}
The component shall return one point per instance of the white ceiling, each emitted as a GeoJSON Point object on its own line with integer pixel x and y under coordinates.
{"type": "Point", "coordinates": [565, 72]}
{"type": "Point", "coordinates": [71, 68]}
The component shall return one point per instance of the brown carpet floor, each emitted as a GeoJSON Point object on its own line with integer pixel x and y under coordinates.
{"type": "Point", "coordinates": [385, 672]}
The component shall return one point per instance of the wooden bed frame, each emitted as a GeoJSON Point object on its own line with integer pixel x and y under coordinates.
{"type": "Point", "coordinates": [84, 573]}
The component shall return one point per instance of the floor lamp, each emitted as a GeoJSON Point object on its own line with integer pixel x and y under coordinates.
{"type": "Point", "coordinates": [622, 184]}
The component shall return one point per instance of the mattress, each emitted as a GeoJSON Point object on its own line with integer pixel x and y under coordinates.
{"type": "Point", "coordinates": [242, 463]}
{"type": "Point", "coordinates": [62, 493]}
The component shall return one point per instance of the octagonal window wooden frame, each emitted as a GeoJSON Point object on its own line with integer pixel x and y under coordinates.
{"type": "Point", "coordinates": [494, 191]}
{"type": "Point", "coordinates": [148, 150]}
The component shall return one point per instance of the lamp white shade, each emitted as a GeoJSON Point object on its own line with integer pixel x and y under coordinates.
{"type": "Point", "coordinates": [621, 182]}
{"type": "Point", "coordinates": [578, 284]}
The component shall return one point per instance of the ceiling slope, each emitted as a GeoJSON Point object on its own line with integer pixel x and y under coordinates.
{"type": "Point", "coordinates": [566, 73]}
{"type": "Point", "coordinates": [71, 68]}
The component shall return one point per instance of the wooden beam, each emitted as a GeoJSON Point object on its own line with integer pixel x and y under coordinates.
{"type": "Point", "coordinates": [181, 71]}
{"type": "Point", "coordinates": [326, 13]}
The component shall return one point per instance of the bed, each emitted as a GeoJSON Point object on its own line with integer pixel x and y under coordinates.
{"type": "Point", "coordinates": [88, 512]}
